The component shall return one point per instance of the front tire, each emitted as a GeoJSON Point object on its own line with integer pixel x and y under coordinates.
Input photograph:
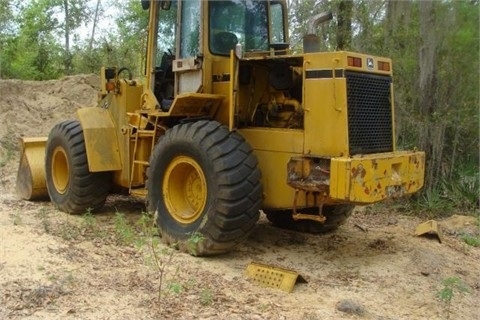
{"type": "Point", "coordinates": [71, 186]}
{"type": "Point", "coordinates": [204, 187]}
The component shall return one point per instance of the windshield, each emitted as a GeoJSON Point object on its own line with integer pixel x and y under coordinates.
{"type": "Point", "coordinates": [238, 21]}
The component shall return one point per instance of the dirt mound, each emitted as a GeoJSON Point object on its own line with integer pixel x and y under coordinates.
{"type": "Point", "coordinates": [33, 107]}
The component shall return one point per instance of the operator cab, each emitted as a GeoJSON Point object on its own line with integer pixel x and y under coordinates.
{"type": "Point", "coordinates": [190, 33]}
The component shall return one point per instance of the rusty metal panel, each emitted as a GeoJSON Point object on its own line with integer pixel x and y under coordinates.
{"type": "Point", "coordinates": [377, 177]}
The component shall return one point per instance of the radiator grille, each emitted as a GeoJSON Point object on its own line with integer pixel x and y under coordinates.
{"type": "Point", "coordinates": [369, 113]}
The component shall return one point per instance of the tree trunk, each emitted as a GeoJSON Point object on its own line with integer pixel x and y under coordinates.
{"type": "Point", "coordinates": [432, 133]}
{"type": "Point", "coordinates": [344, 23]}
{"type": "Point", "coordinates": [95, 19]}
{"type": "Point", "coordinates": [68, 58]}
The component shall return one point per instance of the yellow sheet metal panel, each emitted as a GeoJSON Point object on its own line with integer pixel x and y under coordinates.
{"type": "Point", "coordinates": [274, 148]}
{"type": "Point", "coordinates": [195, 104]}
{"type": "Point", "coordinates": [326, 128]}
{"type": "Point", "coordinates": [273, 139]}
{"type": "Point", "coordinates": [277, 194]}
{"type": "Point", "coordinates": [101, 140]}
{"type": "Point", "coordinates": [131, 96]}
{"type": "Point", "coordinates": [222, 114]}
{"type": "Point", "coordinates": [339, 180]}
{"type": "Point", "coordinates": [325, 103]}
{"type": "Point", "coordinates": [372, 178]}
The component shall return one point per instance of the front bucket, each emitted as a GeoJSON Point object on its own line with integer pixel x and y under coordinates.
{"type": "Point", "coordinates": [31, 183]}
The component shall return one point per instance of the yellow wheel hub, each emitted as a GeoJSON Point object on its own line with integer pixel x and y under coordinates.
{"type": "Point", "coordinates": [184, 189]}
{"type": "Point", "coordinates": [60, 170]}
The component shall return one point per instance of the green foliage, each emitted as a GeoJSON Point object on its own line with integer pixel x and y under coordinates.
{"type": "Point", "coordinates": [124, 231]}
{"type": "Point", "coordinates": [193, 241]}
{"type": "Point", "coordinates": [450, 286]}
{"type": "Point", "coordinates": [460, 192]}
{"type": "Point", "coordinates": [175, 287]}
{"type": "Point", "coordinates": [32, 46]}
{"type": "Point", "coordinates": [471, 240]}
{"type": "Point", "coordinates": [463, 189]}
{"type": "Point", "coordinates": [433, 203]}
{"type": "Point", "coordinates": [89, 220]}
{"type": "Point", "coordinates": [90, 228]}
{"type": "Point", "coordinates": [206, 297]}
{"type": "Point", "coordinates": [127, 47]}
{"type": "Point", "coordinates": [146, 231]}
{"type": "Point", "coordinates": [33, 53]}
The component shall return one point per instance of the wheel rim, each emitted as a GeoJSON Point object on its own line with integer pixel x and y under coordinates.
{"type": "Point", "coordinates": [184, 190]}
{"type": "Point", "coordinates": [60, 170]}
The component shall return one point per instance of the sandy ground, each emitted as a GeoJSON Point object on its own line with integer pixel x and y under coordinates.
{"type": "Point", "coordinates": [107, 266]}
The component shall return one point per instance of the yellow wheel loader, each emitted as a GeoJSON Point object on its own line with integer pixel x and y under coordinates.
{"type": "Point", "coordinates": [228, 122]}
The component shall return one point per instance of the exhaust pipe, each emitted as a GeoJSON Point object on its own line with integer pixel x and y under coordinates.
{"type": "Point", "coordinates": [311, 42]}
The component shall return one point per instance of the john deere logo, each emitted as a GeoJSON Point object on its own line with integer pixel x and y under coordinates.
{"type": "Point", "coordinates": [370, 64]}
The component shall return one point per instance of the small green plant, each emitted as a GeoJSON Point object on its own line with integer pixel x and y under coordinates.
{"type": "Point", "coordinates": [462, 187]}
{"type": "Point", "coordinates": [159, 258]}
{"type": "Point", "coordinates": [473, 241]}
{"type": "Point", "coordinates": [446, 294]}
{"type": "Point", "coordinates": [89, 220]}
{"type": "Point", "coordinates": [206, 297]}
{"type": "Point", "coordinates": [175, 287]}
{"type": "Point", "coordinates": [192, 243]}
{"type": "Point", "coordinates": [433, 203]}
{"type": "Point", "coordinates": [90, 227]}
{"type": "Point", "coordinates": [125, 233]}
{"type": "Point", "coordinates": [147, 231]}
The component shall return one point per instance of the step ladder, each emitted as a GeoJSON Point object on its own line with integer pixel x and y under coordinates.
{"type": "Point", "coordinates": [141, 134]}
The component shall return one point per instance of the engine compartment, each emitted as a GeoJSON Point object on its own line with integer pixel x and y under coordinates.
{"type": "Point", "coordinates": [270, 93]}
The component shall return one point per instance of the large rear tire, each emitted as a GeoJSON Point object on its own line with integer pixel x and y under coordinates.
{"type": "Point", "coordinates": [335, 215]}
{"type": "Point", "coordinates": [71, 186]}
{"type": "Point", "coordinates": [204, 187]}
